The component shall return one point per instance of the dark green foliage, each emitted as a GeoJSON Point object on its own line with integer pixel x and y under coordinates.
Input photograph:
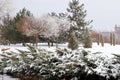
{"type": "Point", "coordinates": [63, 37]}
{"type": "Point", "coordinates": [85, 52]}
{"type": "Point", "coordinates": [117, 58]}
{"type": "Point", "coordinates": [71, 65]}
{"type": "Point", "coordinates": [72, 42]}
{"type": "Point", "coordinates": [11, 33]}
{"type": "Point", "coordinates": [22, 13]}
{"type": "Point", "coordinates": [9, 29]}
{"type": "Point", "coordinates": [78, 13]}
{"type": "Point", "coordinates": [87, 42]}
{"type": "Point", "coordinates": [77, 16]}
{"type": "Point", "coordinates": [31, 49]}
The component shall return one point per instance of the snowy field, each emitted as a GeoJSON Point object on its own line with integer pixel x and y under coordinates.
{"type": "Point", "coordinates": [108, 50]}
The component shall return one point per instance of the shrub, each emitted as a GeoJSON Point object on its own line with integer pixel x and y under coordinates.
{"type": "Point", "coordinates": [61, 64]}
{"type": "Point", "coordinates": [72, 42]}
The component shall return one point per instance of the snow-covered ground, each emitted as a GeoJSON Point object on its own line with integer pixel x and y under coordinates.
{"type": "Point", "coordinates": [108, 50]}
{"type": "Point", "coordinates": [6, 77]}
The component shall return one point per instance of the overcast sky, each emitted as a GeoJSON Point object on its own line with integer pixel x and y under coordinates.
{"type": "Point", "coordinates": [104, 13]}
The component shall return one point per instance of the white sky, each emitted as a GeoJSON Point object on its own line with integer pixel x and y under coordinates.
{"type": "Point", "coordinates": [104, 13]}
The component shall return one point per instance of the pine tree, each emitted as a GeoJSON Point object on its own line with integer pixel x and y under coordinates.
{"type": "Point", "coordinates": [12, 33]}
{"type": "Point", "coordinates": [21, 14]}
{"type": "Point", "coordinates": [87, 40]}
{"type": "Point", "coordinates": [77, 16]}
{"type": "Point", "coordinates": [9, 29]}
{"type": "Point", "coordinates": [72, 42]}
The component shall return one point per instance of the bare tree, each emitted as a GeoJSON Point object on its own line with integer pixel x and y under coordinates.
{"type": "Point", "coordinates": [31, 26]}
{"type": "Point", "coordinates": [4, 7]}
{"type": "Point", "coordinates": [54, 26]}
{"type": "Point", "coordinates": [46, 25]}
{"type": "Point", "coordinates": [63, 26]}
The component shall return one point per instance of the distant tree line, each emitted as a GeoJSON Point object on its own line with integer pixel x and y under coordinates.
{"type": "Point", "coordinates": [51, 27]}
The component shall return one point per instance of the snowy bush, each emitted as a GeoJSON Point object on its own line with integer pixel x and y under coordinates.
{"type": "Point", "coordinates": [61, 64]}
{"type": "Point", "coordinates": [73, 42]}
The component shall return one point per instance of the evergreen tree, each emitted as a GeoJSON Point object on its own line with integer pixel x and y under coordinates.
{"type": "Point", "coordinates": [22, 14]}
{"type": "Point", "coordinates": [77, 16]}
{"type": "Point", "coordinates": [72, 42]}
{"type": "Point", "coordinates": [12, 34]}
{"type": "Point", "coordinates": [87, 40]}
{"type": "Point", "coordinates": [9, 29]}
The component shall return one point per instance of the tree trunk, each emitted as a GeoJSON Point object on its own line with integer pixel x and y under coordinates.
{"type": "Point", "coordinates": [48, 42]}
{"type": "Point", "coordinates": [98, 38]}
{"type": "Point", "coordinates": [114, 41]}
{"type": "Point", "coordinates": [30, 40]}
{"type": "Point", "coordinates": [23, 42]}
{"type": "Point", "coordinates": [111, 39]}
{"type": "Point", "coordinates": [36, 40]}
{"type": "Point", "coordinates": [102, 40]}
{"type": "Point", "coordinates": [57, 42]}
{"type": "Point", "coordinates": [52, 43]}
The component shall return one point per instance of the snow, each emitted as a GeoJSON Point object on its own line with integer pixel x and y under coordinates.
{"type": "Point", "coordinates": [13, 47]}
{"type": "Point", "coordinates": [102, 57]}
{"type": "Point", "coordinates": [6, 77]}
{"type": "Point", "coordinates": [107, 50]}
